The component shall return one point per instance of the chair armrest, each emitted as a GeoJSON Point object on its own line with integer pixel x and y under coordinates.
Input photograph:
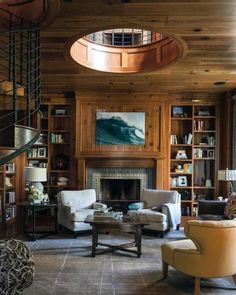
{"type": "Point", "coordinates": [97, 205]}
{"type": "Point", "coordinates": [66, 208]}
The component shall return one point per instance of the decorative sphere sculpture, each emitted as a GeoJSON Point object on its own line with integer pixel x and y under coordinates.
{"type": "Point", "coordinates": [16, 267]}
{"type": "Point", "coordinates": [60, 162]}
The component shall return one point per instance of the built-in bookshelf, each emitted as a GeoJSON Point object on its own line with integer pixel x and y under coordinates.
{"type": "Point", "coordinates": [8, 192]}
{"type": "Point", "coordinates": [193, 154]}
{"type": "Point", "coordinates": [54, 149]}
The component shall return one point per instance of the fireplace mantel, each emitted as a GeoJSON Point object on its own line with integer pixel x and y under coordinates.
{"type": "Point", "coordinates": [120, 162]}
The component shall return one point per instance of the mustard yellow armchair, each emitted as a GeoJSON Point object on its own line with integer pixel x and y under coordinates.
{"type": "Point", "coordinates": [209, 251]}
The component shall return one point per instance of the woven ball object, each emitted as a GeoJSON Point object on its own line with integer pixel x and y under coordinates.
{"type": "Point", "coordinates": [16, 267]}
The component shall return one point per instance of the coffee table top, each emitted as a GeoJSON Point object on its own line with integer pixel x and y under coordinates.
{"type": "Point", "coordinates": [93, 219]}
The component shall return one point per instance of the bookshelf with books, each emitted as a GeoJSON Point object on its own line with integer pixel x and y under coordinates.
{"type": "Point", "coordinates": [55, 148]}
{"type": "Point", "coordinates": [193, 154]}
{"type": "Point", "coordinates": [9, 190]}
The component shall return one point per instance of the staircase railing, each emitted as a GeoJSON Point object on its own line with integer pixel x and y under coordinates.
{"type": "Point", "coordinates": [20, 95]}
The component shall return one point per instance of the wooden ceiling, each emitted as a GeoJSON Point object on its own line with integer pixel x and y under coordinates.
{"type": "Point", "coordinates": [206, 28]}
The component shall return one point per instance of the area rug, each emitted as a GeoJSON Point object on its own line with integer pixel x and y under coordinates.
{"type": "Point", "coordinates": [64, 266]}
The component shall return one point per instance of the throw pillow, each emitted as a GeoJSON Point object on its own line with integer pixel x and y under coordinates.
{"type": "Point", "coordinates": [230, 207]}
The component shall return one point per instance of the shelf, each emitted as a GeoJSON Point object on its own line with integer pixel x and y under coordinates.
{"type": "Point", "coordinates": [54, 143]}
{"type": "Point", "coordinates": [203, 187]}
{"type": "Point", "coordinates": [181, 144]}
{"type": "Point", "coordinates": [182, 119]}
{"type": "Point", "coordinates": [204, 131]}
{"type": "Point", "coordinates": [181, 160]}
{"type": "Point", "coordinates": [61, 116]}
{"type": "Point", "coordinates": [57, 186]}
{"type": "Point", "coordinates": [59, 171]}
{"type": "Point", "coordinates": [204, 159]}
{"type": "Point", "coordinates": [204, 117]}
{"type": "Point", "coordinates": [181, 187]}
{"type": "Point", "coordinates": [60, 131]}
{"type": "Point", "coordinates": [204, 146]}
{"type": "Point", "coordinates": [202, 123]}
{"type": "Point", "coordinates": [180, 173]}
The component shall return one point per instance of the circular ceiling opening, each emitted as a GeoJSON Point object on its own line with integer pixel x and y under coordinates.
{"type": "Point", "coordinates": [125, 50]}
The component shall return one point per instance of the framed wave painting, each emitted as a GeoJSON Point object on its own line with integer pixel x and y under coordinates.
{"type": "Point", "coordinates": [120, 128]}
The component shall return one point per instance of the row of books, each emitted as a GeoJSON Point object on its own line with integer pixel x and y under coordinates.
{"type": "Point", "coordinates": [10, 197]}
{"type": "Point", "coordinates": [198, 125]}
{"type": "Point", "coordinates": [57, 138]}
{"type": "Point", "coordinates": [187, 139]}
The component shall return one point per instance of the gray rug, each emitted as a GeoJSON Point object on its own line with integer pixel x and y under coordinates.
{"type": "Point", "coordinates": [64, 266]}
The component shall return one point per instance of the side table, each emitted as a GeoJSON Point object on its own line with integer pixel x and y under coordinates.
{"type": "Point", "coordinates": [32, 229]}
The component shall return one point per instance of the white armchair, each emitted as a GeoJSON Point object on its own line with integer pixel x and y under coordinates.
{"type": "Point", "coordinates": [161, 209]}
{"type": "Point", "coordinates": [73, 208]}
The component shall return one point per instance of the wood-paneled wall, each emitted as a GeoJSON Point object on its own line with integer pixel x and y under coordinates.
{"type": "Point", "coordinates": [157, 110]}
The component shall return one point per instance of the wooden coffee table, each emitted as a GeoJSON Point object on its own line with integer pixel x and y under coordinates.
{"type": "Point", "coordinates": [105, 224]}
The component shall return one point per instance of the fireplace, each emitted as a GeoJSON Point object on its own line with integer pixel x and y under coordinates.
{"type": "Point", "coordinates": [120, 189]}
{"type": "Point", "coordinates": [119, 184]}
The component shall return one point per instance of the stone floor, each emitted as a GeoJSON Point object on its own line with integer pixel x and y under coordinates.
{"type": "Point", "coordinates": [64, 266]}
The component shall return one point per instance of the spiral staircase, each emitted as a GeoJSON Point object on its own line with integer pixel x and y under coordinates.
{"type": "Point", "coordinates": [19, 85]}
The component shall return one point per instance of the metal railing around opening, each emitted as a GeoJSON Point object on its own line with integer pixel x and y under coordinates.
{"type": "Point", "coordinates": [20, 95]}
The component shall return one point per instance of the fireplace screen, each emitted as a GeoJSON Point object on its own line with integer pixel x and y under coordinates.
{"type": "Point", "coordinates": [120, 189]}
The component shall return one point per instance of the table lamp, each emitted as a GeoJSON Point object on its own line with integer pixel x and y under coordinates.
{"type": "Point", "coordinates": [34, 175]}
{"type": "Point", "coordinates": [229, 176]}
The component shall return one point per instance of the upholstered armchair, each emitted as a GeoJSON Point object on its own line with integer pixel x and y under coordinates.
{"type": "Point", "coordinates": [73, 208]}
{"type": "Point", "coordinates": [209, 251]}
{"type": "Point", "coordinates": [160, 208]}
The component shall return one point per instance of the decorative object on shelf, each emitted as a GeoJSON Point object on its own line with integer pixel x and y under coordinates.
{"type": "Point", "coordinates": [34, 175]}
{"type": "Point", "coordinates": [208, 183]}
{"type": "Point", "coordinates": [60, 162]}
{"type": "Point", "coordinates": [42, 152]}
{"type": "Point", "coordinates": [8, 182]}
{"type": "Point", "coordinates": [210, 153]}
{"type": "Point", "coordinates": [17, 267]}
{"type": "Point", "coordinates": [181, 154]}
{"type": "Point", "coordinates": [62, 181]}
{"type": "Point", "coordinates": [185, 195]}
{"type": "Point", "coordinates": [227, 175]}
{"type": "Point", "coordinates": [179, 169]}
{"type": "Point", "coordinates": [59, 112]}
{"type": "Point", "coordinates": [211, 140]}
{"type": "Point", "coordinates": [177, 112]}
{"type": "Point", "coordinates": [187, 168]}
{"type": "Point", "coordinates": [203, 113]}
{"type": "Point", "coordinates": [182, 181]}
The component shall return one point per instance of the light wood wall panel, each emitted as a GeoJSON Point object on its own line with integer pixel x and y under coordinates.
{"type": "Point", "coordinates": [86, 125]}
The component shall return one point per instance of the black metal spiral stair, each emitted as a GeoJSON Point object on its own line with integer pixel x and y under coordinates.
{"type": "Point", "coordinates": [19, 86]}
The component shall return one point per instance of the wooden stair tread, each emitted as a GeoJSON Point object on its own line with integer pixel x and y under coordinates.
{"type": "Point", "coordinates": [6, 88]}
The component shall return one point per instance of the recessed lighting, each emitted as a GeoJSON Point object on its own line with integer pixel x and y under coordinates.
{"type": "Point", "coordinates": [219, 83]}
{"type": "Point", "coordinates": [196, 100]}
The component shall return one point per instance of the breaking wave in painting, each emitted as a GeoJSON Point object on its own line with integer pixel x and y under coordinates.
{"type": "Point", "coordinates": [115, 130]}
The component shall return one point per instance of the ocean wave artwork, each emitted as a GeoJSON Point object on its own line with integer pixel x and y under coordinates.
{"type": "Point", "coordinates": [120, 128]}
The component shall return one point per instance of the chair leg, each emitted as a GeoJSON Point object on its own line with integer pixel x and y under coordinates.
{"type": "Point", "coordinates": [165, 267]}
{"type": "Point", "coordinates": [234, 278]}
{"type": "Point", "coordinates": [197, 286]}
